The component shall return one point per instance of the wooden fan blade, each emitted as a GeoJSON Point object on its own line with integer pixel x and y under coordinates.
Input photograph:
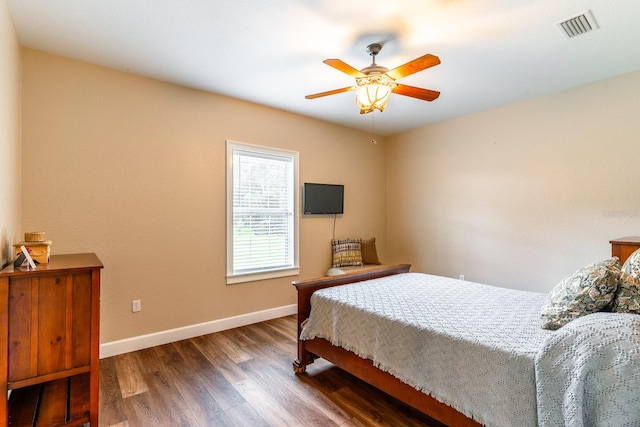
{"type": "Point", "coordinates": [416, 92]}
{"type": "Point", "coordinates": [414, 66]}
{"type": "Point", "coordinates": [344, 67]}
{"type": "Point", "coordinates": [330, 92]}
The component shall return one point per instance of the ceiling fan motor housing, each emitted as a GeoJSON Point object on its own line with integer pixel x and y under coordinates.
{"type": "Point", "coordinates": [374, 69]}
{"type": "Point", "coordinates": [374, 48]}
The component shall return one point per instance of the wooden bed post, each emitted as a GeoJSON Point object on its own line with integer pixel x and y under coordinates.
{"type": "Point", "coordinates": [303, 358]}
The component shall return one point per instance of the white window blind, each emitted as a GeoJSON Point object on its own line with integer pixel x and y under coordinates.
{"type": "Point", "coordinates": [262, 216]}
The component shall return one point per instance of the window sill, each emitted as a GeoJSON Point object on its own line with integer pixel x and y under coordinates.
{"type": "Point", "coordinates": [263, 275]}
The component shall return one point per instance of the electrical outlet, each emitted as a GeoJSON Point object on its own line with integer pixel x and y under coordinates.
{"type": "Point", "coordinates": [462, 277]}
{"type": "Point", "coordinates": [136, 306]}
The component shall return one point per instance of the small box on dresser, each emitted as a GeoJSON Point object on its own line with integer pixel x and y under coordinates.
{"type": "Point", "coordinates": [39, 251]}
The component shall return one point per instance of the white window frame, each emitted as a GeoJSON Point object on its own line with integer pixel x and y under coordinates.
{"type": "Point", "coordinates": [289, 270]}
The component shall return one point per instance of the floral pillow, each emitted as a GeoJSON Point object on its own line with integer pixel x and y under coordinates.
{"type": "Point", "coordinates": [586, 291]}
{"type": "Point", "coordinates": [346, 252]}
{"type": "Point", "coordinates": [627, 299]}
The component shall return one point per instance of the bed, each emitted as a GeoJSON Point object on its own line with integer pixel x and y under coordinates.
{"type": "Point", "coordinates": [532, 377]}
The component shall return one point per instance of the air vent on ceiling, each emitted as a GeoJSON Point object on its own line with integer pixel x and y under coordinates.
{"type": "Point", "coordinates": [578, 25]}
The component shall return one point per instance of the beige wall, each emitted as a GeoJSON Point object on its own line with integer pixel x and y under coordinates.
{"type": "Point", "coordinates": [9, 136]}
{"type": "Point", "coordinates": [134, 170]}
{"type": "Point", "coordinates": [523, 195]}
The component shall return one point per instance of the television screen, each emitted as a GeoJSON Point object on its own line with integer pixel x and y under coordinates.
{"type": "Point", "coordinates": [322, 199]}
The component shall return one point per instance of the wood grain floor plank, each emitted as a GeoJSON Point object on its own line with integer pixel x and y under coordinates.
{"type": "Point", "coordinates": [372, 411]}
{"type": "Point", "coordinates": [238, 336]}
{"type": "Point", "coordinates": [129, 377]}
{"type": "Point", "coordinates": [190, 387]}
{"type": "Point", "coordinates": [237, 378]}
{"type": "Point", "coordinates": [272, 340]}
{"type": "Point", "coordinates": [232, 347]}
{"type": "Point", "coordinates": [110, 401]}
{"type": "Point", "coordinates": [213, 373]}
{"type": "Point", "coordinates": [292, 395]}
{"type": "Point", "coordinates": [161, 392]}
{"type": "Point", "coordinates": [338, 386]}
{"type": "Point", "coordinates": [210, 347]}
{"type": "Point", "coordinates": [244, 415]}
{"type": "Point", "coordinates": [266, 405]}
{"type": "Point", "coordinates": [141, 412]}
{"type": "Point", "coordinates": [287, 326]}
{"type": "Point", "coordinates": [273, 347]}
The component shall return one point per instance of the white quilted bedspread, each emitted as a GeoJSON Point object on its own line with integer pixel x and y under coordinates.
{"type": "Point", "coordinates": [481, 350]}
{"type": "Point", "coordinates": [589, 373]}
{"type": "Point", "coordinates": [473, 350]}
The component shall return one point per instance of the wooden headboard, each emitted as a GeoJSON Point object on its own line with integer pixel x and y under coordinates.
{"type": "Point", "coordinates": [624, 246]}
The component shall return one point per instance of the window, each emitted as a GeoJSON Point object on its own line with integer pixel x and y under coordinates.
{"type": "Point", "coordinates": [262, 212]}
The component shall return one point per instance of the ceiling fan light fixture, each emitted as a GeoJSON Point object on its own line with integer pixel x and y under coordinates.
{"type": "Point", "coordinates": [374, 84]}
{"type": "Point", "coordinates": [373, 92]}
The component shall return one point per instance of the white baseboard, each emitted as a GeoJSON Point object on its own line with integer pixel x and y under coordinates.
{"type": "Point", "coordinates": [151, 340]}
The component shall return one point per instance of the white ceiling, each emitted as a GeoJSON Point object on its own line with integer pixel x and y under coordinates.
{"type": "Point", "coordinates": [493, 52]}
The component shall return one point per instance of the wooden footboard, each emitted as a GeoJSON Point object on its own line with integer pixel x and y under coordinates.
{"type": "Point", "coordinates": [364, 369]}
{"type": "Point", "coordinates": [307, 287]}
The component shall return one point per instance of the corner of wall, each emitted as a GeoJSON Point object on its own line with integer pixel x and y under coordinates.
{"type": "Point", "coordinates": [10, 135]}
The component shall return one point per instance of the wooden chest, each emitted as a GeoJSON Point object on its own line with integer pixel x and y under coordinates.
{"type": "Point", "coordinates": [49, 342]}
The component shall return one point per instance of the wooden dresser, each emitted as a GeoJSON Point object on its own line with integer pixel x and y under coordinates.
{"type": "Point", "coordinates": [49, 339]}
{"type": "Point", "coordinates": [624, 246]}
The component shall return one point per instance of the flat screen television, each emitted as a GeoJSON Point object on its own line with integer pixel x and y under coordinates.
{"type": "Point", "coordinates": [322, 199]}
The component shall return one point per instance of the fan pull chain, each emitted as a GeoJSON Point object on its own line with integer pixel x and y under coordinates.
{"type": "Point", "coordinates": [373, 127]}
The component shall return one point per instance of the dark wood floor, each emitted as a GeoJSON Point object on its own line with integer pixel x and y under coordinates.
{"type": "Point", "coordinates": [240, 377]}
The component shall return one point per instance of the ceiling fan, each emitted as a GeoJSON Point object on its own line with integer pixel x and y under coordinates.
{"type": "Point", "coordinates": [375, 83]}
